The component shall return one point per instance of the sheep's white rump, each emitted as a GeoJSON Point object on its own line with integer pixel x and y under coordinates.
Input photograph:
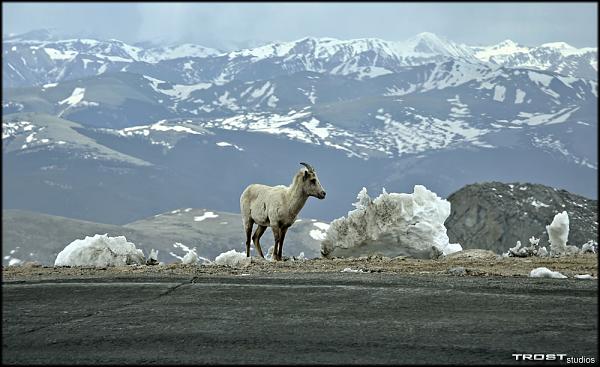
{"type": "Point", "coordinates": [392, 225]}
{"type": "Point", "coordinates": [100, 251]}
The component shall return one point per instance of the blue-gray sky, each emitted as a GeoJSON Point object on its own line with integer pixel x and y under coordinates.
{"type": "Point", "coordinates": [223, 25]}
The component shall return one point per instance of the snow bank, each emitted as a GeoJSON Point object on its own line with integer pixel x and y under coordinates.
{"type": "Point", "coordinates": [584, 276]}
{"type": "Point", "coordinates": [232, 258]}
{"type": "Point", "coordinates": [545, 273]}
{"type": "Point", "coordinates": [100, 251]}
{"type": "Point", "coordinates": [392, 225]}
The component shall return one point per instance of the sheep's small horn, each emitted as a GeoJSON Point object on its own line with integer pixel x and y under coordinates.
{"type": "Point", "coordinates": [308, 166]}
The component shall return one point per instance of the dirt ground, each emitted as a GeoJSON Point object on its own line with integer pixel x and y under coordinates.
{"type": "Point", "coordinates": [464, 263]}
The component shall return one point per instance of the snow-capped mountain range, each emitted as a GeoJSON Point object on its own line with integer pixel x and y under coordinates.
{"type": "Point", "coordinates": [152, 121]}
{"type": "Point", "coordinates": [29, 62]}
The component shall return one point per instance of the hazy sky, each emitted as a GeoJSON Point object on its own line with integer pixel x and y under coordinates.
{"type": "Point", "coordinates": [228, 24]}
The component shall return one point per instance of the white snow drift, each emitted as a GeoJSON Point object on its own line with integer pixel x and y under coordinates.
{"type": "Point", "coordinates": [232, 258]}
{"type": "Point", "coordinates": [100, 251]}
{"type": "Point", "coordinates": [545, 273]}
{"type": "Point", "coordinates": [392, 225]}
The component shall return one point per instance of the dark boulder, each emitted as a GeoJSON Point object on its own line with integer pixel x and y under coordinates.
{"type": "Point", "coordinates": [495, 215]}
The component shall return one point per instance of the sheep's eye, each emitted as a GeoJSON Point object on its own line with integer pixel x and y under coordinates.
{"type": "Point", "coordinates": [313, 181]}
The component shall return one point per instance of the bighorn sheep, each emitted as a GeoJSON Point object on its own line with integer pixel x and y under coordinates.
{"type": "Point", "coordinates": [277, 207]}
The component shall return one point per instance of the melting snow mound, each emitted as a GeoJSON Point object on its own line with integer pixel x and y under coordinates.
{"type": "Point", "coordinates": [545, 273]}
{"type": "Point", "coordinates": [392, 225]}
{"type": "Point", "coordinates": [558, 234]}
{"type": "Point", "coordinates": [100, 251]}
{"type": "Point", "coordinates": [190, 258]}
{"type": "Point", "coordinates": [232, 258]}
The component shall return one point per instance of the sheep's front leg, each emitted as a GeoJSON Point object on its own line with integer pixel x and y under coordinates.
{"type": "Point", "coordinates": [283, 231]}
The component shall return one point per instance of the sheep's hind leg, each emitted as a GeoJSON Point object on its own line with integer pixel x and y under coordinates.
{"type": "Point", "coordinates": [283, 231]}
{"type": "Point", "coordinates": [248, 227]}
{"type": "Point", "coordinates": [257, 234]}
{"type": "Point", "coordinates": [277, 236]}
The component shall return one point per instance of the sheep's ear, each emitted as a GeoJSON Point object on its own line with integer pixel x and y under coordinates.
{"type": "Point", "coordinates": [305, 175]}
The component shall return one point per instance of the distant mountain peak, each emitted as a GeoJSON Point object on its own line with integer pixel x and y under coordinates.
{"type": "Point", "coordinates": [428, 36]}
{"type": "Point", "coordinates": [34, 35]}
{"type": "Point", "coordinates": [507, 43]}
{"type": "Point", "coordinates": [558, 45]}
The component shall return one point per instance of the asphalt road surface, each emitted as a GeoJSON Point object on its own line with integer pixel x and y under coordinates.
{"type": "Point", "coordinates": [340, 318]}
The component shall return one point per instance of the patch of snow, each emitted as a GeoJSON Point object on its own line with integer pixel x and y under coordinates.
{"type": "Point", "coordinates": [15, 262]}
{"type": "Point", "coordinates": [539, 204]}
{"type": "Point", "coordinates": [55, 54]}
{"type": "Point", "coordinates": [160, 126]}
{"type": "Point", "coordinates": [540, 78]}
{"type": "Point", "coordinates": [544, 272]}
{"type": "Point", "coordinates": [75, 97]}
{"type": "Point", "coordinates": [497, 53]}
{"type": "Point", "coordinates": [272, 101]}
{"type": "Point", "coordinates": [113, 58]}
{"type": "Point", "coordinates": [100, 251]}
{"type": "Point", "coordinates": [158, 54]}
{"type": "Point", "coordinates": [260, 92]}
{"type": "Point", "coordinates": [312, 125]}
{"type": "Point", "coordinates": [177, 91]}
{"type": "Point", "coordinates": [350, 270]}
{"type": "Point", "coordinates": [533, 119]}
{"type": "Point", "coordinates": [520, 96]}
{"type": "Point", "coordinates": [232, 258]}
{"type": "Point", "coordinates": [204, 216]}
{"type": "Point", "coordinates": [499, 93]}
{"type": "Point", "coordinates": [322, 226]}
{"type": "Point", "coordinates": [317, 234]}
{"type": "Point", "coordinates": [226, 144]}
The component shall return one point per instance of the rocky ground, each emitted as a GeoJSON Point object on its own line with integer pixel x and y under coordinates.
{"type": "Point", "coordinates": [465, 263]}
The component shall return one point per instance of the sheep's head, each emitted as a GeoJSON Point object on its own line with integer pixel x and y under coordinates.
{"type": "Point", "coordinates": [310, 182]}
